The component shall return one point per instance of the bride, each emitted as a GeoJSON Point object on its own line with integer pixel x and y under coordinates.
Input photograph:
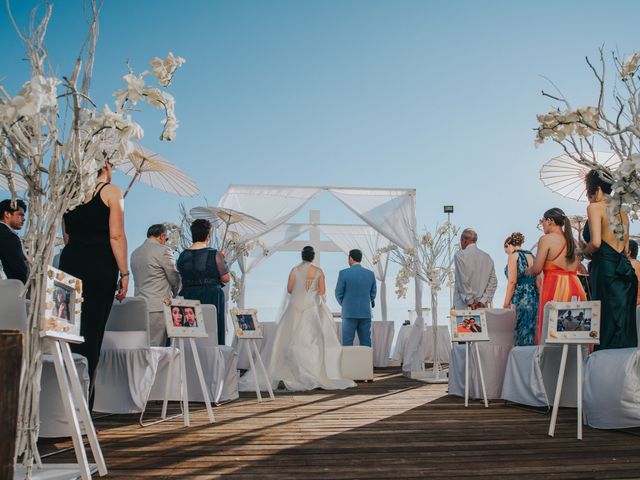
{"type": "Point", "coordinates": [306, 352]}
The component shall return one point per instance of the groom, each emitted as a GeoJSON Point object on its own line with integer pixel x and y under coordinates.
{"type": "Point", "coordinates": [355, 292]}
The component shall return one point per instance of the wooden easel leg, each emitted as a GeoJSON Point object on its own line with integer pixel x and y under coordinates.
{"type": "Point", "coordinates": [67, 400]}
{"type": "Point", "coordinates": [579, 389]}
{"type": "Point", "coordinates": [466, 374]}
{"type": "Point", "coordinates": [203, 385]}
{"type": "Point", "coordinates": [262, 367]}
{"type": "Point", "coordinates": [556, 400]}
{"type": "Point", "coordinates": [484, 390]}
{"type": "Point", "coordinates": [81, 403]}
{"type": "Point", "coordinates": [253, 369]}
{"type": "Point", "coordinates": [183, 384]}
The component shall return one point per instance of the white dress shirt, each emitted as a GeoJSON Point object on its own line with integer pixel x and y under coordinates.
{"type": "Point", "coordinates": [475, 277]}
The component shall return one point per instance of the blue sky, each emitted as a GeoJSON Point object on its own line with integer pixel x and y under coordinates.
{"type": "Point", "coordinates": [433, 95]}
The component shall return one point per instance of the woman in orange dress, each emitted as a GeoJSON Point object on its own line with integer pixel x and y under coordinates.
{"type": "Point", "coordinates": [556, 258]}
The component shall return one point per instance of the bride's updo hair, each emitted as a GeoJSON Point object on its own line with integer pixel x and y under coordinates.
{"type": "Point", "coordinates": [516, 239]}
{"type": "Point", "coordinates": [308, 254]}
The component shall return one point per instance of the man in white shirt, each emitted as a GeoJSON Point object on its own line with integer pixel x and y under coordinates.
{"type": "Point", "coordinates": [475, 274]}
{"type": "Point", "coordinates": [156, 277]}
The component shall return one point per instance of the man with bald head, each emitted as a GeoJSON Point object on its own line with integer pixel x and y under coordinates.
{"type": "Point", "coordinates": [475, 274]}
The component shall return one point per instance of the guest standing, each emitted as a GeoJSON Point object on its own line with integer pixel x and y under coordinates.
{"type": "Point", "coordinates": [95, 251]}
{"type": "Point", "coordinates": [633, 258]}
{"type": "Point", "coordinates": [12, 257]}
{"type": "Point", "coordinates": [156, 278]}
{"type": "Point", "coordinates": [204, 272]}
{"type": "Point", "coordinates": [475, 274]}
{"type": "Point", "coordinates": [522, 290]}
{"type": "Point", "coordinates": [557, 258]}
{"type": "Point", "coordinates": [613, 280]}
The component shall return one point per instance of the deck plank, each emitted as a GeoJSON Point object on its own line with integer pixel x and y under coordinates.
{"type": "Point", "coordinates": [391, 428]}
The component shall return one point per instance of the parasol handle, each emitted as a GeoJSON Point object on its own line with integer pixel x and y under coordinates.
{"type": "Point", "coordinates": [226, 229]}
{"type": "Point", "coordinates": [135, 177]}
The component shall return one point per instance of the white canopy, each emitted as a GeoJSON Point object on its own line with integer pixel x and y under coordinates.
{"type": "Point", "coordinates": [389, 214]}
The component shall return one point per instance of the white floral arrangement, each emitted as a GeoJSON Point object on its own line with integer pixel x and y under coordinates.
{"type": "Point", "coordinates": [580, 130]}
{"type": "Point", "coordinates": [428, 261]}
{"type": "Point", "coordinates": [55, 137]}
{"type": "Point", "coordinates": [174, 236]}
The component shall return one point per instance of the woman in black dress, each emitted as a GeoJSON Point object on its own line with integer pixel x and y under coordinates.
{"type": "Point", "coordinates": [95, 251]}
{"type": "Point", "coordinates": [204, 272]}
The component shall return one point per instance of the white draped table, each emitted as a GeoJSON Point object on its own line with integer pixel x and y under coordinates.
{"type": "Point", "coordinates": [381, 338]}
{"type": "Point", "coordinates": [444, 343]}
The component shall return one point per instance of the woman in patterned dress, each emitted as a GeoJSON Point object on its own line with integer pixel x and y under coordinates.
{"type": "Point", "coordinates": [522, 291]}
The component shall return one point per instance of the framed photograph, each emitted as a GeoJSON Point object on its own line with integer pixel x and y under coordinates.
{"type": "Point", "coordinates": [63, 307]}
{"type": "Point", "coordinates": [469, 326]}
{"type": "Point", "coordinates": [245, 323]}
{"type": "Point", "coordinates": [573, 322]}
{"type": "Point", "coordinates": [183, 318]}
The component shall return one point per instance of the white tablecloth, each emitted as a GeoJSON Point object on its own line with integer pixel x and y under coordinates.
{"type": "Point", "coordinates": [494, 354]}
{"type": "Point", "coordinates": [382, 337]}
{"type": "Point", "coordinates": [444, 343]}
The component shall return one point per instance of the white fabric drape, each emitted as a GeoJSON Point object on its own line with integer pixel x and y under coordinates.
{"type": "Point", "coordinates": [273, 205]}
{"type": "Point", "coordinates": [369, 241]}
{"type": "Point", "coordinates": [416, 347]}
{"type": "Point", "coordinates": [390, 212]}
{"type": "Point", "coordinates": [272, 241]}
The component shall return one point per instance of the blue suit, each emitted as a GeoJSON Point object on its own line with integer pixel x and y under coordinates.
{"type": "Point", "coordinates": [355, 291]}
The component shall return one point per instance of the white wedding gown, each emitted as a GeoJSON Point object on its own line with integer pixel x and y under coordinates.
{"type": "Point", "coordinates": [306, 352]}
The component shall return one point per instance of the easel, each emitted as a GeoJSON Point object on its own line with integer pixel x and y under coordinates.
{"type": "Point", "coordinates": [466, 374]}
{"type": "Point", "coordinates": [253, 350]}
{"type": "Point", "coordinates": [74, 404]}
{"type": "Point", "coordinates": [183, 384]}
{"type": "Point", "coordinates": [556, 400]}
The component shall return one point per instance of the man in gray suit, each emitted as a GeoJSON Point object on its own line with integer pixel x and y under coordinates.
{"type": "Point", "coordinates": [475, 274]}
{"type": "Point", "coordinates": [156, 278]}
{"type": "Point", "coordinates": [356, 292]}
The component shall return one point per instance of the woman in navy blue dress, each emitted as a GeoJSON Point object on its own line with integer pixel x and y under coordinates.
{"type": "Point", "coordinates": [204, 272]}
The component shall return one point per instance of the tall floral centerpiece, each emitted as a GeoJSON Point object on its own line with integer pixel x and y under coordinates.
{"type": "Point", "coordinates": [430, 262]}
{"type": "Point", "coordinates": [612, 121]}
{"type": "Point", "coordinates": [55, 137]}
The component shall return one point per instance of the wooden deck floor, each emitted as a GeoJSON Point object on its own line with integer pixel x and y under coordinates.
{"type": "Point", "coordinates": [391, 428]}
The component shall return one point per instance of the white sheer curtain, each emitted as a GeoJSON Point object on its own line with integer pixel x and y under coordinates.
{"type": "Point", "coordinates": [273, 205]}
{"type": "Point", "coordinates": [369, 241]}
{"type": "Point", "coordinates": [272, 241]}
{"type": "Point", "coordinates": [390, 212]}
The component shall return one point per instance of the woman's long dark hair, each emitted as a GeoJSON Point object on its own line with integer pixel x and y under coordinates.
{"type": "Point", "coordinates": [558, 217]}
{"type": "Point", "coordinates": [593, 180]}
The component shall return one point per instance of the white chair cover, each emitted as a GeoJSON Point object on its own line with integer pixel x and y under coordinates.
{"type": "Point", "coordinates": [53, 418]}
{"type": "Point", "coordinates": [612, 388]}
{"type": "Point", "coordinates": [532, 373]}
{"type": "Point", "coordinates": [52, 415]}
{"type": "Point", "coordinates": [444, 343]}
{"type": "Point", "coordinates": [219, 368]}
{"type": "Point", "coordinates": [501, 324]}
{"type": "Point", "coordinates": [128, 364]}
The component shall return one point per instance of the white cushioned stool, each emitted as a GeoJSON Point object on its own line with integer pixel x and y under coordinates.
{"type": "Point", "coordinates": [357, 363]}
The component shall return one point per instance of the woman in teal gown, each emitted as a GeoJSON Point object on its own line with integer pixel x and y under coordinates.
{"type": "Point", "coordinates": [613, 280]}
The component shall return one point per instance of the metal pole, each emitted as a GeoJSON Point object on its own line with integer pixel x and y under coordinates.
{"type": "Point", "coordinates": [449, 260]}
